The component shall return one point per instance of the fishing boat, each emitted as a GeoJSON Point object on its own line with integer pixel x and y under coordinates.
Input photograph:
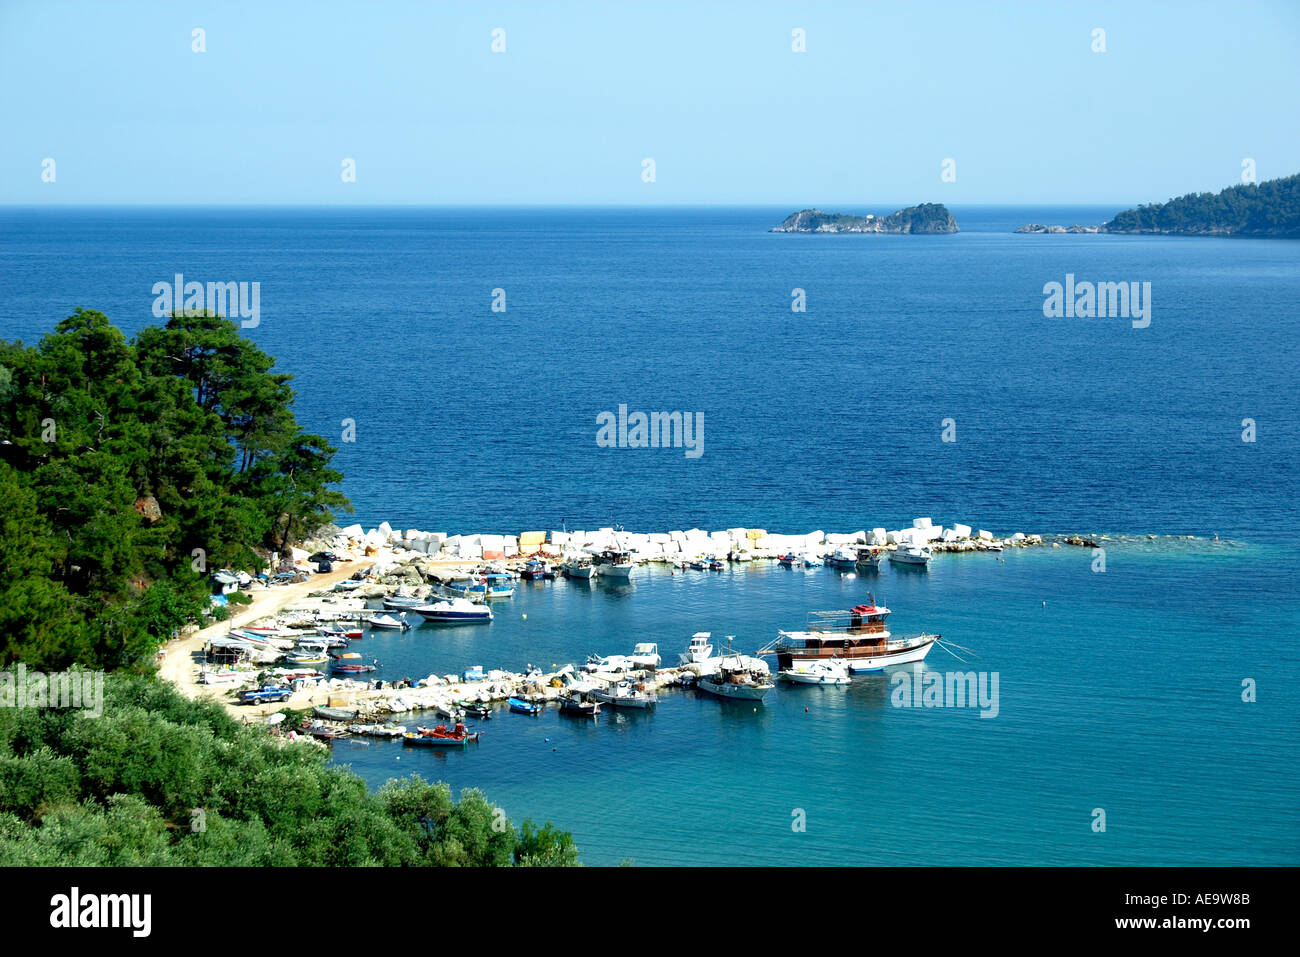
{"type": "Point", "coordinates": [615, 563]}
{"type": "Point", "coordinates": [455, 611]}
{"type": "Point", "coordinates": [737, 676]}
{"type": "Point", "coordinates": [797, 561]}
{"type": "Point", "coordinates": [700, 564]}
{"type": "Point", "coordinates": [457, 732]}
{"type": "Point", "coordinates": [624, 694]}
{"type": "Point", "coordinates": [581, 567]}
{"type": "Point", "coordinates": [845, 559]}
{"type": "Point", "coordinates": [919, 555]}
{"type": "Point", "coordinates": [580, 702]}
{"type": "Point", "coordinates": [444, 740]}
{"type": "Point", "coordinates": [869, 557]}
{"type": "Point", "coordinates": [520, 706]}
{"type": "Point", "coordinates": [834, 671]}
{"type": "Point", "coordinates": [388, 621]}
{"type": "Point", "coordinates": [536, 569]}
{"type": "Point", "coordinates": [477, 709]}
{"type": "Point", "coordinates": [698, 650]}
{"type": "Point", "coordinates": [859, 636]}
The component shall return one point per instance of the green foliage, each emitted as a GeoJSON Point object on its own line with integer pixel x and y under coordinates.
{"type": "Point", "coordinates": [1271, 208]}
{"type": "Point", "coordinates": [118, 460]}
{"type": "Point", "coordinates": [161, 780]}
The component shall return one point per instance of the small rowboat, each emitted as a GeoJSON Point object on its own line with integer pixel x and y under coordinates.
{"type": "Point", "coordinates": [520, 706]}
{"type": "Point", "coordinates": [430, 741]}
{"type": "Point", "coordinates": [341, 632]}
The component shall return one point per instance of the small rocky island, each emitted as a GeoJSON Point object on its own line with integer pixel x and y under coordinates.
{"type": "Point", "coordinates": [926, 218]}
{"type": "Point", "coordinates": [1268, 210]}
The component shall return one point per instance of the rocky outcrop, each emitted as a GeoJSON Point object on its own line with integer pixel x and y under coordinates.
{"type": "Point", "coordinates": [1039, 228]}
{"type": "Point", "coordinates": [926, 218]}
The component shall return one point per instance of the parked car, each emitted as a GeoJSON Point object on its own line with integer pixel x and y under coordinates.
{"type": "Point", "coordinates": [264, 694]}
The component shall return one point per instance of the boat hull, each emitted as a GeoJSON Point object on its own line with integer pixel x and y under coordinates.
{"type": "Point", "coordinates": [739, 692]}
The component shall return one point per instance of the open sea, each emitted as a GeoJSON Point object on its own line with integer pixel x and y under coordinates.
{"type": "Point", "coordinates": [1119, 691]}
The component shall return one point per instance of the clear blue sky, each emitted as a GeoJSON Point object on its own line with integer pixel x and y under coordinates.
{"type": "Point", "coordinates": [584, 91]}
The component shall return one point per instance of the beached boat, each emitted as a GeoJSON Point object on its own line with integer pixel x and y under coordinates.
{"type": "Point", "coordinates": [455, 611]}
{"type": "Point", "coordinates": [918, 555]}
{"type": "Point", "coordinates": [859, 636]}
{"type": "Point", "coordinates": [317, 657]}
{"type": "Point", "coordinates": [834, 671]}
{"type": "Point", "coordinates": [626, 695]}
{"type": "Point", "coordinates": [378, 730]}
{"type": "Point", "coordinates": [698, 650]}
{"type": "Point", "coordinates": [335, 714]}
{"type": "Point", "coordinates": [608, 664]}
{"type": "Point", "coordinates": [388, 621]}
{"type": "Point", "coordinates": [520, 706]}
{"type": "Point", "coordinates": [738, 676]}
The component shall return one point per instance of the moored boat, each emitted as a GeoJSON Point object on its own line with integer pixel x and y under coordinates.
{"type": "Point", "coordinates": [388, 621]}
{"type": "Point", "coordinates": [579, 701]}
{"type": "Point", "coordinates": [869, 557]}
{"type": "Point", "coordinates": [520, 706]}
{"type": "Point", "coordinates": [455, 611]}
{"type": "Point", "coordinates": [624, 694]}
{"type": "Point", "coordinates": [859, 636]}
{"type": "Point", "coordinates": [581, 567]}
{"type": "Point", "coordinates": [832, 672]}
{"type": "Point", "coordinates": [918, 555]}
{"type": "Point", "coordinates": [737, 676]}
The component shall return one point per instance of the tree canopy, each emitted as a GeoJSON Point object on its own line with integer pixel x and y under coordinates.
{"type": "Point", "coordinates": [131, 468]}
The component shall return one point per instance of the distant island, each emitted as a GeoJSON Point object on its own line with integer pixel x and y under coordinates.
{"type": "Point", "coordinates": [926, 218]}
{"type": "Point", "coordinates": [1263, 210]}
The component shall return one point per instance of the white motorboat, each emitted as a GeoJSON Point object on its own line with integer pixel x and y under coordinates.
{"type": "Point", "coordinates": [614, 563]}
{"type": "Point", "coordinates": [698, 650]}
{"type": "Point", "coordinates": [834, 671]}
{"type": "Point", "coordinates": [645, 655]}
{"type": "Point", "coordinates": [388, 621]}
{"type": "Point", "coordinates": [455, 611]}
{"type": "Point", "coordinates": [911, 555]}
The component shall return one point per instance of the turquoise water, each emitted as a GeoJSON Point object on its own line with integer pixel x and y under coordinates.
{"type": "Point", "coordinates": [1123, 693]}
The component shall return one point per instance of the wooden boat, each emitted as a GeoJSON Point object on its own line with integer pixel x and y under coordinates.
{"type": "Point", "coordinates": [536, 569]}
{"type": "Point", "coordinates": [477, 709]}
{"type": "Point", "coordinates": [860, 636]}
{"type": "Point", "coordinates": [738, 676]}
{"type": "Point", "coordinates": [458, 732]}
{"type": "Point", "coordinates": [520, 706]}
{"type": "Point", "coordinates": [581, 703]}
{"type": "Point", "coordinates": [869, 557]}
{"type": "Point", "coordinates": [334, 714]}
{"type": "Point", "coordinates": [626, 695]}
{"type": "Point", "coordinates": [414, 738]}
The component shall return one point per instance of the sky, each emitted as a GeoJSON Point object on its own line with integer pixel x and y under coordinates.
{"type": "Point", "coordinates": [1013, 94]}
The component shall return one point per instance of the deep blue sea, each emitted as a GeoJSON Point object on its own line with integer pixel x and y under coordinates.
{"type": "Point", "coordinates": [1120, 691]}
